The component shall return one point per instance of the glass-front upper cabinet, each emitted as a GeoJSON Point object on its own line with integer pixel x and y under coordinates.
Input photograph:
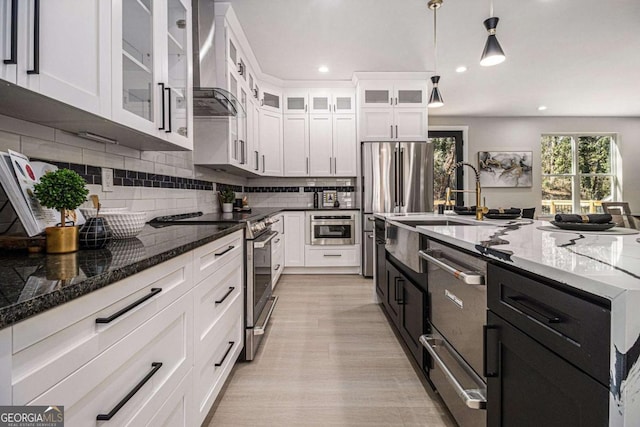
{"type": "Point", "coordinates": [139, 62]}
{"type": "Point", "coordinates": [178, 81]}
{"type": "Point", "coordinates": [152, 81]}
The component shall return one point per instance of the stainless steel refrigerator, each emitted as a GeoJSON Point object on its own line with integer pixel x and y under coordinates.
{"type": "Point", "coordinates": [396, 177]}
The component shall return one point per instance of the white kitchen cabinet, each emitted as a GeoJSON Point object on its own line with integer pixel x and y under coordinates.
{"type": "Point", "coordinates": [270, 99]}
{"type": "Point", "coordinates": [151, 68]}
{"type": "Point", "coordinates": [295, 230]}
{"type": "Point", "coordinates": [277, 259]}
{"type": "Point", "coordinates": [332, 145]}
{"type": "Point", "coordinates": [398, 93]}
{"type": "Point", "coordinates": [296, 144]}
{"type": "Point", "coordinates": [344, 101]}
{"type": "Point", "coordinates": [321, 145]}
{"type": "Point", "coordinates": [344, 146]}
{"type": "Point", "coordinates": [320, 101]}
{"type": "Point", "coordinates": [393, 111]}
{"type": "Point", "coordinates": [161, 348]}
{"type": "Point", "coordinates": [177, 410]}
{"type": "Point", "coordinates": [270, 142]}
{"type": "Point", "coordinates": [63, 54]}
{"type": "Point", "coordinates": [254, 154]}
{"type": "Point", "coordinates": [393, 124]}
{"type": "Point", "coordinates": [296, 101]}
{"type": "Point", "coordinates": [410, 124]}
{"type": "Point", "coordinates": [332, 256]}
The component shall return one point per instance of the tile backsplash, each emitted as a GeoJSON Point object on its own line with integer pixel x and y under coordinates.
{"type": "Point", "coordinates": [158, 182]}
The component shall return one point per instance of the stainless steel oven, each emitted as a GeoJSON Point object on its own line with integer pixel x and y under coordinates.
{"type": "Point", "coordinates": [458, 295]}
{"type": "Point", "coordinates": [260, 301]}
{"type": "Point", "coordinates": [328, 229]}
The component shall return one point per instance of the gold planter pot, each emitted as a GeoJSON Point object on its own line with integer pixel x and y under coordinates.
{"type": "Point", "coordinates": [62, 240]}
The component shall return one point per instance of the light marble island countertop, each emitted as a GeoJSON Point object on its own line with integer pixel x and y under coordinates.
{"type": "Point", "coordinates": [604, 264]}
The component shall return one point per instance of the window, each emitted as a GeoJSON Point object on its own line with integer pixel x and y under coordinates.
{"type": "Point", "coordinates": [578, 172]}
{"type": "Point", "coordinates": [447, 150]}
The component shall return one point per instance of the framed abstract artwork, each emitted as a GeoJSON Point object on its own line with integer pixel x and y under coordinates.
{"type": "Point", "coordinates": [505, 168]}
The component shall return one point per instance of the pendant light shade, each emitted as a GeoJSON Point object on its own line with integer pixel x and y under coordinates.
{"type": "Point", "coordinates": [493, 53]}
{"type": "Point", "coordinates": [435, 100]}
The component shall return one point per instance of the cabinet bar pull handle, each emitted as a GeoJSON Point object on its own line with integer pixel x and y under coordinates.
{"type": "Point", "coordinates": [330, 164]}
{"type": "Point", "coordinates": [474, 398]}
{"type": "Point", "coordinates": [468, 277]}
{"type": "Point", "coordinates": [263, 164]}
{"type": "Point", "coordinates": [276, 241]}
{"type": "Point", "coordinates": [231, 289]}
{"type": "Point", "coordinates": [36, 38]}
{"type": "Point", "coordinates": [396, 131]}
{"type": "Point", "coordinates": [494, 351]}
{"type": "Point", "coordinates": [163, 105]}
{"type": "Point", "coordinates": [106, 417]}
{"type": "Point", "coordinates": [242, 157]}
{"type": "Point", "coordinates": [540, 312]}
{"type": "Point", "coordinates": [396, 100]}
{"type": "Point", "coordinates": [332, 255]}
{"type": "Point", "coordinates": [257, 161]}
{"type": "Point", "coordinates": [335, 165]}
{"type": "Point", "coordinates": [226, 353]}
{"type": "Point", "coordinates": [307, 165]}
{"type": "Point", "coordinates": [114, 316]}
{"type": "Point", "coordinates": [14, 34]}
{"type": "Point", "coordinates": [391, 128]}
{"type": "Point", "coordinates": [277, 267]}
{"type": "Point", "coordinates": [225, 251]}
{"type": "Point", "coordinates": [168, 89]}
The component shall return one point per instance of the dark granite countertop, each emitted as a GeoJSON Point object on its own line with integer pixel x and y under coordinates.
{"type": "Point", "coordinates": [33, 283]}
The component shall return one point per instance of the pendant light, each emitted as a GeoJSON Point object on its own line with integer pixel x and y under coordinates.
{"type": "Point", "coordinates": [493, 53]}
{"type": "Point", "coordinates": [435, 99]}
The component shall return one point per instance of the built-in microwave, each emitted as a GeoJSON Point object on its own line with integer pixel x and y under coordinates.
{"type": "Point", "coordinates": [332, 229]}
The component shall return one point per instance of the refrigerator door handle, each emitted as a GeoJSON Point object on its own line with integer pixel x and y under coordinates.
{"type": "Point", "coordinates": [395, 178]}
{"type": "Point", "coordinates": [401, 180]}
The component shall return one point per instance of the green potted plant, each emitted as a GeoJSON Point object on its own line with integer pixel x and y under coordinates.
{"type": "Point", "coordinates": [62, 190]}
{"type": "Point", "coordinates": [227, 196]}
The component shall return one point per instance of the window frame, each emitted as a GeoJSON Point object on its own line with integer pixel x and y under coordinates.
{"type": "Point", "coordinates": [575, 175]}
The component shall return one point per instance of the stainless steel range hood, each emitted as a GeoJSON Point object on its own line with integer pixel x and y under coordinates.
{"type": "Point", "coordinates": [208, 99]}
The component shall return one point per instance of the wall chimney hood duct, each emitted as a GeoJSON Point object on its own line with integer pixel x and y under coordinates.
{"type": "Point", "coordinates": [208, 99]}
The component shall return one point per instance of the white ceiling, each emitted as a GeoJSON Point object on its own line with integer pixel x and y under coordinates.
{"type": "Point", "coordinates": [577, 57]}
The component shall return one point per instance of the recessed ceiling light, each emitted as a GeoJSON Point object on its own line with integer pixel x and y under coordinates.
{"type": "Point", "coordinates": [461, 69]}
{"type": "Point", "coordinates": [542, 108]}
{"type": "Point", "coordinates": [323, 69]}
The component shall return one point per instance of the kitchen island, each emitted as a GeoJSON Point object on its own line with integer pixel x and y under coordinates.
{"type": "Point", "coordinates": [604, 264]}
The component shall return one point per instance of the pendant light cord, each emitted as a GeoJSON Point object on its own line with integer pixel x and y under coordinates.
{"type": "Point", "coordinates": [435, 41]}
{"type": "Point", "coordinates": [490, 8]}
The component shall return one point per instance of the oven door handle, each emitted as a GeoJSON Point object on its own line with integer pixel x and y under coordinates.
{"type": "Point", "coordinates": [468, 277]}
{"type": "Point", "coordinates": [259, 330]}
{"type": "Point", "coordinates": [472, 398]}
{"type": "Point", "coordinates": [259, 244]}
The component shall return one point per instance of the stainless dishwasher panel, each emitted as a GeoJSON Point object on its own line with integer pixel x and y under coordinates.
{"type": "Point", "coordinates": [458, 300]}
{"type": "Point", "coordinates": [463, 391]}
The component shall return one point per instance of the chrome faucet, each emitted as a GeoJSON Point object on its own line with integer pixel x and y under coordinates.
{"type": "Point", "coordinates": [479, 208]}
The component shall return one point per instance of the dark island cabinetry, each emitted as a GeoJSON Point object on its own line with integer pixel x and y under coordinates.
{"type": "Point", "coordinates": [546, 355]}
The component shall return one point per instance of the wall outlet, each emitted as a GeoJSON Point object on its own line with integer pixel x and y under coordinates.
{"type": "Point", "coordinates": [107, 179]}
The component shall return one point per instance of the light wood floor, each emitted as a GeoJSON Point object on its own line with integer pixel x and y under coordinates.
{"type": "Point", "coordinates": [329, 359]}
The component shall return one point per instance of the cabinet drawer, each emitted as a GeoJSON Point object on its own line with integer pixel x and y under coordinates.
{"type": "Point", "coordinates": [177, 411]}
{"type": "Point", "coordinates": [277, 243]}
{"type": "Point", "coordinates": [51, 345]}
{"type": "Point", "coordinates": [213, 297]}
{"type": "Point", "coordinates": [100, 385]}
{"type": "Point", "coordinates": [572, 327]}
{"type": "Point", "coordinates": [209, 258]}
{"type": "Point", "coordinates": [326, 257]}
{"type": "Point", "coordinates": [216, 357]}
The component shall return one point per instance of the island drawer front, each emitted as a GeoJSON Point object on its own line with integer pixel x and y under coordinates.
{"type": "Point", "coordinates": [572, 327]}
{"type": "Point", "coordinates": [47, 347]}
{"type": "Point", "coordinates": [100, 385]}
{"type": "Point", "coordinates": [216, 357]}
{"type": "Point", "coordinates": [211, 257]}
{"type": "Point", "coordinates": [214, 296]}
{"type": "Point", "coordinates": [324, 257]}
